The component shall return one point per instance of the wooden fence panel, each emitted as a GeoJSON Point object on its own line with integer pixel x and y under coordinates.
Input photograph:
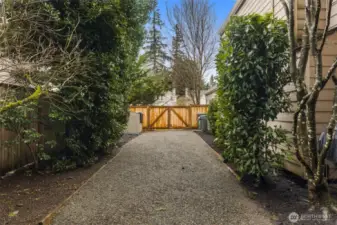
{"type": "Point", "coordinates": [154, 117]}
{"type": "Point", "coordinates": [158, 118]}
{"type": "Point", "coordinates": [12, 155]}
{"type": "Point", "coordinates": [180, 117]}
{"type": "Point", "coordinates": [170, 117]}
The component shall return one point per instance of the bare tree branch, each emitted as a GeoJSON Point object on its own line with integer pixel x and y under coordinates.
{"type": "Point", "coordinates": [195, 20]}
{"type": "Point", "coordinates": [32, 58]}
{"type": "Point", "coordinates": [327, 24]}
{"type": "Point", "coordinates": [330, 132]}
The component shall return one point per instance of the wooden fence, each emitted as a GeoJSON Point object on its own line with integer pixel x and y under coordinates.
{"type": "Point", "coordinates": [170, 117]}
{"type": "Point", "coordinates": [17, 154]}
{"type": "Point", "coordinates": [12, 155]}
{"type": "Point", "coordinates": [154, 117]}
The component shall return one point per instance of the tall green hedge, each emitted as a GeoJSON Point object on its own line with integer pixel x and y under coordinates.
{"type": "Point", "coordinates": [212, 114]}
{"type": "Point", "coordinates": [251, 64]}
{"type": "Point", "coordinates": [107, 37]}
{"type": "Point", "coordinates": [111, 33]}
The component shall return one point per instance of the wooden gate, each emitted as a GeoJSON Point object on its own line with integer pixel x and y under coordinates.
{"type": "Point", "coordinates": [170, 117]}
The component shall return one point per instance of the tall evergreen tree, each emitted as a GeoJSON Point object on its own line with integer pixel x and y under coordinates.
{"type": "Point", "coordinates": [177, 56]}
{"type": "Point", "coordinates": [155, 46]}
{"type": "Point", "coordinates": [177, 44]}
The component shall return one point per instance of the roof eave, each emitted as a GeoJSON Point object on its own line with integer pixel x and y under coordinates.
{"type": "Point", "coordinates": [211, 90]}
{"type": "Point", "coordinates": [234, 10]}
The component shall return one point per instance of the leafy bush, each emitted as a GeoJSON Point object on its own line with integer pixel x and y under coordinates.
{"type": "Point", "coordinates": [147, 88]}
{"type": "Point", "coordinates": [111, 34]}
{"type": "Point", "coordinates": [20, 120]}
{"type": "Point", "coordinates": [91, 66]}
{"type": "Point", "coordinates": [251, 66]}
{"type": "Point", "coordinates": [212, 114]}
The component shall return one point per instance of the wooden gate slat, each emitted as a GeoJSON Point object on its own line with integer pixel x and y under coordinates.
{"type": "Point", "coordinates": [180, 117]}
{"type": "Point", "coordinates": [169, 118]}
{"type": "Point", "coordinates": [156, 120]}
{"type": "Point", "coordinates": [148, 117]}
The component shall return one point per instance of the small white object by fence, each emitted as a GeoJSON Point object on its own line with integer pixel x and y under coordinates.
{"type": "Point", "coordinates": [134, 124]}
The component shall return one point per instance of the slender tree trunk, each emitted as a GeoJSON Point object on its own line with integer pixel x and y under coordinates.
{"type": "Point", "coordinates": [311, 129]}
{"type": "Point", "coordinates": [197, 96]}
{"type": "Point", "coordinates": [319, 195]}
{"type": "Point", "coordinates": [304, 130]}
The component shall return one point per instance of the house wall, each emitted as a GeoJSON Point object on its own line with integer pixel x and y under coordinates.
{"type": "Point", "coordinates": [202, 98]}
{"type": "Point", "coordinates": [275, 6]}
{"type": "Point", "coordinates": [300, 17]}
{"type": "Point", "coordinates": [324, 104]}
{"type": "Point", "coordinates": [261, 7]}
{"type": "Point", "coordinates": [329, 54]}
{"type": "Point", "coordinates": [210, 97]}
{"type": "Point", "coordinates": [255, 6]}
{"type": "Point", "coordinates": [333, 22]}
{"type": "Point", "coordinates": [169, 98]}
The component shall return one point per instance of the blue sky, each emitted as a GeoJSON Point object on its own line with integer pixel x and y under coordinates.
{"type": "Point", "coordinates": [220, 7]}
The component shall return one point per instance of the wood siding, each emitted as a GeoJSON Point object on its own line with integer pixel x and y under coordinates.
{"type": "Point", "coordinates": [262, 7]}
{"type": "Point", "coordinates": [325, 100]}
{"type": "Point", "coordinates": [333, 22]}
{"type": "Point", "coordinates": [329, 54]}
{"type": "Point", "coordinates": [324, 104]}
{"type": "Point", "coordinates": [279, 10]}
{"type": "Point", "coordinates": [300, 17]}
{"type": "Point", "coordinates": [276, 7]}
{"type": "Point", "coordinates": [255, 6]}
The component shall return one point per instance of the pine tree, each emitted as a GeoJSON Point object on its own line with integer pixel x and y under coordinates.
{"type": "Point", "coordinates": [177, 44]}
{"type": "Point", "coordinates": [177, 57]}
{"type": "Point", "coordinates": [155, 46]}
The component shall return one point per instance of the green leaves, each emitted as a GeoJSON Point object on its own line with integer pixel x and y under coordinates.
{"type": "Point", "coordinates": [251, 80]}
{"type": "Point", "coordinates": [212, 114]}
{"type": "Point", "coordinates": [91, 104]}
{"type": "Point", "coordinates": [112, 33]}
{"type": "Point", "coordinates": [21, 120]}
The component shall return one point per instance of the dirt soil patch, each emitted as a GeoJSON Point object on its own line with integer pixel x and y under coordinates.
{"type": "Point", "coordinates": [284, 194]}
{"type": "Point", "coordinates": [28, 197]}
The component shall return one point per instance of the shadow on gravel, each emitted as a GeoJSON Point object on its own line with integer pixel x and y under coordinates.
{"type": "Point", "coordinates": [281, 195]}
{"type": "Point", "coordinates": [27, 197]}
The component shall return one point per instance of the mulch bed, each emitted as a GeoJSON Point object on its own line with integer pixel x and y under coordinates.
{"type": "Point", "coordinates": [285, 192]}
{"type": "Point", "coordinates": [28, 197]}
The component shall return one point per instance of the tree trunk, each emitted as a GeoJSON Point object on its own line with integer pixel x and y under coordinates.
{"type": "Point", "coordinates": [319, 195]}
{"type": "Point", "coordinates": [197, 96]}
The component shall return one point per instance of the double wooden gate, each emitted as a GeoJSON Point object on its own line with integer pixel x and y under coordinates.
{"type": "Point", "coordinates": [170, 117]}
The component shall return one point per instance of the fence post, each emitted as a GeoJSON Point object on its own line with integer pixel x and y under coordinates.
{"type": "Point", "coordinates": [190, 116]}
{"type": "Point", "coordinates": [168, 117]}
{"type": "Point", "coordinates": [148, 117]}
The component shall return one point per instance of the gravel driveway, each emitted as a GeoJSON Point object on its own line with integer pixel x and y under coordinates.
{"type": "Point", "coordinates": [166, 177]}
